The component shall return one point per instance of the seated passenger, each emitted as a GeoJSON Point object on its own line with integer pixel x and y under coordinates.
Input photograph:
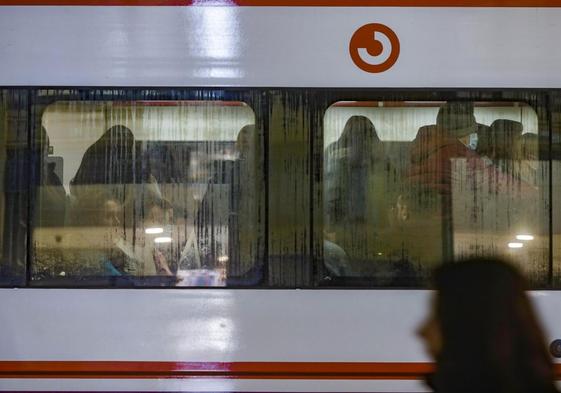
{"type": "Point", "coordinates": [106, 168]}
{"type": "Point", "coordinates": [434, 154]}
{"type": "Point", "coordinates": [457, 187]}
{"type": "Point", "coordinates": [455, 135]}
{"type": "Point", "coordinates": [110, 160]}
{"type": "Point", "coordinates": [51, 206]}
{"type": "Point", "coordinates": [133, 250]}
{"type": "Point", "coordinates": [113, 212]}
{"type": "Point", "coordinates": [209, 211]}
{"type": "Point", "coordinates": [244, 240]}
{"type": "Point", "coordinates": [355, 187]}
{"type": "Point", "coordinates": [348, 163]}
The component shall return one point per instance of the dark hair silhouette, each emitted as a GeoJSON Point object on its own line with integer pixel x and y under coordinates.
{"type": "Point", "coordinates": [491, 337]}
{"type": "Point", "coordinates": [360, 137]}
{"type": "Point", "coordinates": [110, 160]}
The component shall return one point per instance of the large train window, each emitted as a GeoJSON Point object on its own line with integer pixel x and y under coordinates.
{"type": "Point", "coordinates": [147, 193]}
{"type": "Point", "coordinates": [407, 185]}
{"type": "Point", "coordinates": [252, 187]}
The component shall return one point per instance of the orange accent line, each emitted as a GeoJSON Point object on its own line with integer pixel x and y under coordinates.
{"type": "Point", "coordinates": [235, 370]}
{"type": "Point", "coordinates": [292, 3]}
{"type": "Point", "coordinates": [222, 370]}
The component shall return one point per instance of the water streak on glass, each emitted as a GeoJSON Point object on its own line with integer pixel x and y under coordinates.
{"type": "Point", "coordinates": [408, 185]}
{"type": "Point", "coordinates": [147, 192]}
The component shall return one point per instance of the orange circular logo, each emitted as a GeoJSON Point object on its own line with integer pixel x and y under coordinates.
{"type": "Point", "coordinates": [374, 48]}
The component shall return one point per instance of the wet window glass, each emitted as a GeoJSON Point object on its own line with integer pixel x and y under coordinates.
{"type": "Point", "coordinates": [155, 193]}
{"type": "Point", "coordinates": [556, 191]}
{"type": "Point", "coordinates": [407, 185]}
{"type": "Point", "coordinates": [15, 164]}
{"type": "Point", "coordinates": [267, 188]}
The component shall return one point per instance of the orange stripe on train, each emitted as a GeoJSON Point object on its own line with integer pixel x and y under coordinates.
{"type": "Point", "coordinates": [228, 370]}
{"type": "Point", "coordinates": [224, 370]}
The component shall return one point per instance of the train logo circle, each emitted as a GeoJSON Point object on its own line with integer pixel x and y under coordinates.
{"type": "Point", "coordinates": [374, 48]}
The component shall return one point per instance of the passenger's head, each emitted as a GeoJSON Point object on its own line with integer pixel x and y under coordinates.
{"type": "Point", "coordinates": [108, 161]}
{"type": "Point", "coordinates": [118, 133]}
{"type": "Point", "coordinates": [156, 210]}
{"type": "Point", "coordinates": [358, 130]}
{"type": "Point", "coordinates": [359, 141]}
{"type": "Point", "coordinates": [483, 332]}
{"type": "Point", "coordinates": [112, 213]}
{"type": "Point", "coordinates": [457, 118]}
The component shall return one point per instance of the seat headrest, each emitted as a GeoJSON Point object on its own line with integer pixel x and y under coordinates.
{"type": "Point", "coordinates": [502, 139]}
{"type": "Point", "coordinates": [509, 127]}
{"type": "Point", "coordinates": [426, 130]}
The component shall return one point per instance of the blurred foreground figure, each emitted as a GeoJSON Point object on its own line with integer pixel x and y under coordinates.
{"type": "Point", "coordinates": [483, 333]}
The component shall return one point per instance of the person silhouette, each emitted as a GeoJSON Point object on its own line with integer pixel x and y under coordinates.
{"type": "Point", "coordinates": [483, 333]}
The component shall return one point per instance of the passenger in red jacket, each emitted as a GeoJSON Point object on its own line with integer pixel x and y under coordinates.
{"type": "Point", "coordinates": [454, 135]}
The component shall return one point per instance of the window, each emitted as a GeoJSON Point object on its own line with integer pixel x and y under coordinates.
{"type": "Point", "coordinates": [277, 188]}
{"type": "Point", "coordinates": [409, 184]}
{"type": "Point", "coordinates": [147, 192]}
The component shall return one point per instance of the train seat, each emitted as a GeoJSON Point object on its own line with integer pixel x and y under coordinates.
{"type": "Point", "coordinates": [502, 141]}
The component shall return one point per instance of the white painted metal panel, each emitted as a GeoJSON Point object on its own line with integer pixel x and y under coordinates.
{"type": "Point", "coordinates": [275, 46]}
{"type": "Point", "coordinates": [211, 325]}
{"type": "Point", "coordinates": [221, 325]}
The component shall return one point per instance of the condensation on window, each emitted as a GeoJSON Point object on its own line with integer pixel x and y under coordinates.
{"type": "Point", "coordinates": [14, 185]}
{"type": "Point", "coordinates": [556, 192]}
{"type": "Point", "coordinates": [408, 185]}
{"type": "Point", "coordinates": [150, 192]}
{"type": "Point", "coordinates": [412, 115]}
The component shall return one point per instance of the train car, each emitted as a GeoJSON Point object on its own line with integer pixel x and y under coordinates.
{"type": "Point", "coordinates": [250, 195]}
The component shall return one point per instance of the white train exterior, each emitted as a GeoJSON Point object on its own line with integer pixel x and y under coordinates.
{"type": "Point", "coordinates": [288, 339]}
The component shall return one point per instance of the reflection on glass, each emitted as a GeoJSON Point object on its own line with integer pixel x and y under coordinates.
{"type": "Point", "coordinates": [401, 194]}
{"type": "Point", "coordinates": [145, 193]}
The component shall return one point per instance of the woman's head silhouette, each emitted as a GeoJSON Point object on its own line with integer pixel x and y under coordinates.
{"type": "Point", "coordinates": [483, 332]}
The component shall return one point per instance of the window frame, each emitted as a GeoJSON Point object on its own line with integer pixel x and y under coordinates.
{"type": "Point", "coordinates": [541, 98]}
{"type": "Point", "coordinates": [42, 98]}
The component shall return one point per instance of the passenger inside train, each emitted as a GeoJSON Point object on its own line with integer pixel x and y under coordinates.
{"type": "Point", "coordinates": [174, 194]}
{"type": "Point", "coordinates": [154, 205]}
{"type": "Point", "coordinates": [397, 201]}
{"type": "Point", "coordinates": [51, 208]}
